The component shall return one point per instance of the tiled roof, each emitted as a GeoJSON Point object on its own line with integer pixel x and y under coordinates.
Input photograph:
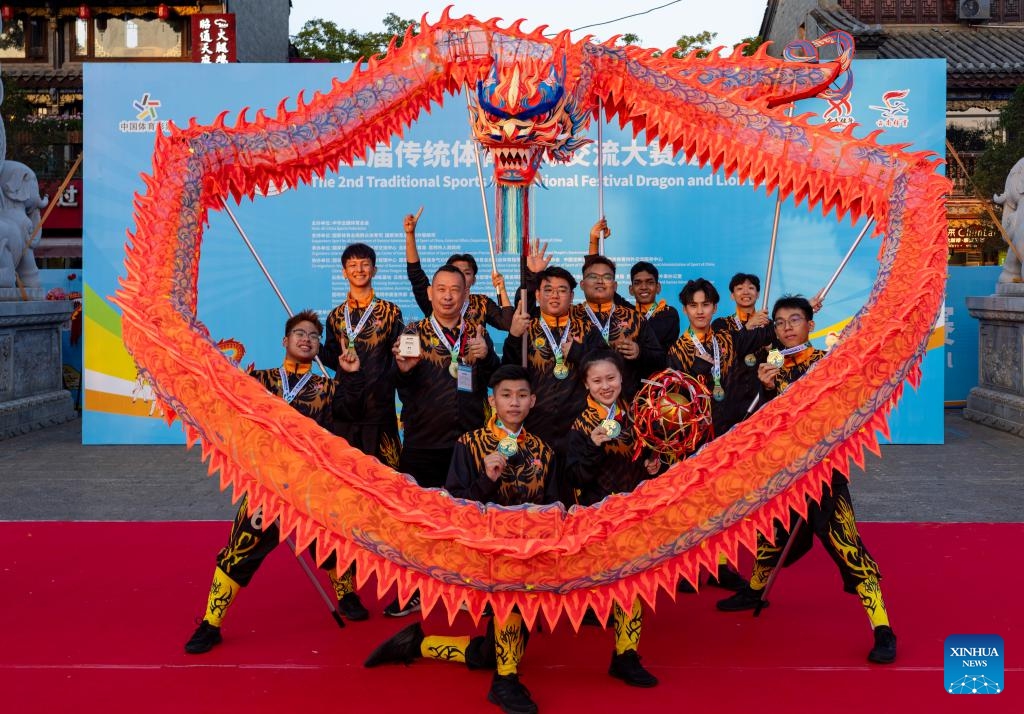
{"type": "Point", "coordinates": [974, 54]}
{"type": "Point", "coordinates": [41, 77]}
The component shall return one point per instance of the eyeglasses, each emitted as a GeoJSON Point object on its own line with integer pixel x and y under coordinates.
{"type": "Point", "coordinates": [599, 277]}
{"type": "Point", "coordinates": [302, 334]}
{"type": "Point", "coordinates": [794, 321]}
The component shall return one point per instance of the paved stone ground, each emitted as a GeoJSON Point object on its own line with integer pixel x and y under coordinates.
{"type": "Point", "coordinates": [48, 475]}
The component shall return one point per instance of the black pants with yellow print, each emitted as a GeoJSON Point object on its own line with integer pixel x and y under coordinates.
{"type": "Point", "coordinates": [248, 545]}
{"type": "Point", "coordinates": [833, 523]}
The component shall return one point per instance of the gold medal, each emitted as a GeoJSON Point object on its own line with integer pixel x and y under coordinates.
{"type": "Point", "coordinates": [453, 369]}
{"type": "Point", "coordinates": [775, 359]}
{"type": "Point", "coordinates": [750, 360]}
{"type": "Point", "coordinates": [561, 370]}
{"type": "Point", "coordinates": [507, 447]}
{"type": "Point", "coordinates": [718, 393]}
{"type": "Point", "coordinates": [611, 427]}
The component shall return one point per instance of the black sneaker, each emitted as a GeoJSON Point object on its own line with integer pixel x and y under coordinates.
{"type": "Point", "coordinates": [727, 579]}
{"type": "Point", "coordinates": [684, 586]}
{"type": "Point", "coordinates": [395, 609]}
{"type": "Point", "coordinates": [510, 694]}
{"type": "Point", "coordinates": [352, 607]}
{"type": "Point", "coordinates": [204, 639]}
{"type": "Point", "coordinates": [745, 599]}
{"type": "Point", "coordinates": [627, 667]}
{"type": "Point", "coordinates": [402, 648]}
{"type": "Point", "coordinates": [884, 651]}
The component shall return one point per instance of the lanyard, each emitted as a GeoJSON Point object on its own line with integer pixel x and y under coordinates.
{"type": "Point", "coordinates": [653, 309]}
{"type": "Point", "coordinates": [353, 333]}
{"type": "Point", "coordinates": [739, 323]}
{"type": "Point", "coordinates": [290, 394]}
{"type": "Point", "coordinates": [557, 348]}
{"type": "Point", "coordinates": [793, 350]}
{"type": "Point", "coordinates": [716, 362]}
{"type": "Point", "coordinates": [605, 328]}
{"type": "Point", "coordinates": [453, 348]}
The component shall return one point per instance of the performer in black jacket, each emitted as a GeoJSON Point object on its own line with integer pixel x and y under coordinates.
{"type": "Point", "coordinates": [832, 520]}
{"type": "Point", "coordinates": [251, 540]}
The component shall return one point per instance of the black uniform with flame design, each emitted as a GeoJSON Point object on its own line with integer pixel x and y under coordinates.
{"type": "Point", "coordinates": [528, 477]}
{"type": "Point", "coordinates": [627, 323]}
{"type": "Point", "coordinates": [376, 433]}
{"type": "Point", "coordinates": [743, 384]}
{"type": "Point", "coordinates": [599, 471]}
{"type": "Point", "coordinates": [832, 521]}
{"type": "Point", "coordinates": [481, 308]}
{"type": "Point", "coordinates": [733, 347]}
{"type": "Point", "coordinates": [559, 401]}
{"type": "Point", "coordinates": [663, 322]}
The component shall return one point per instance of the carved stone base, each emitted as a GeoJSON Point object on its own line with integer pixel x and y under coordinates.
{"type": "Point", "coordinates": [998, 400]}
{"type": "Point", "coordinates": [996, 409]}
{"type": "Point", "coordinates": [32, 393]}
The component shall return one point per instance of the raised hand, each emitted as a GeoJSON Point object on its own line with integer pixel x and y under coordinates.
{"type": "Point", "coordinates": [476, 346]}
{"type": "Point", "coordinates": [767, 374]}
{"type": "Point", "coordinates": [539, 258]}
{"type": "Point", "coordinates": [348, 361]}
{"type": "Point", "coordinates": [494, 464]}
{"type": "Point", "coordinates": [758, 319]}
{"type": "Point", "coordinates": [520, 321]}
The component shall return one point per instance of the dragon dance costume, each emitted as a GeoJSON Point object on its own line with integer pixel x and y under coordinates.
{"type": "Point", "coordinates": [251, 540]}
{"type": "Point", "coordinates": [435, 412]}
{"type": "Point", "coordinates": [376, 433]}
{"type": "Point", "coordinates": [832, 521]}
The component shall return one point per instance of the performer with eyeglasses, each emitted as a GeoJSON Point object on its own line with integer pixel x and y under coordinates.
{"type": "Point", "coordinates": [832, 519]}
{"type": "Point", "coordinates": [316, 397]}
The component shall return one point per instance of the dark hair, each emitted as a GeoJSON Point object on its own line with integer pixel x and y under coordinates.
{"type": "Point", "coordinates": [592, 260]}
{"type": "Point", "coordinates": [601, 355]}
{"type": "Point", "coordinates": [695, 286]}
{"type": "Point", "coordinates": [448, 268]}
{"type": "Point", "coordinates": [509, 373]}
{"type": "Point", "coordinates": [555, 272]}
{"type": "Point", "coordinates": [304, 316]}
{"type": "Point", "coordinates": [463, 258]}
{"type": "Point", "coordinates": [358, 251]}
{"type": "Point", "coordinates": [643, 267]}
{"type": "Point", "coordinates": [794, 302]}
{"type": "Point", "coordinates": [740, 278]}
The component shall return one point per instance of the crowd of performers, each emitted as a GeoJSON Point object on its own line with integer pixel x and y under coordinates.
{"type": "Point", "coordinates": [486, 428]}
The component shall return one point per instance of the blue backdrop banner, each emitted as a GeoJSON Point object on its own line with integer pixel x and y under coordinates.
{"type": "Point", "coordinates": [689, 221]}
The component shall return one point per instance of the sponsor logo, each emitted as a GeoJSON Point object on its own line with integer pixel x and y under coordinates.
{"type": "Point", "coordinates": [146, 119]}
{"type": "Point", "coordinates": [895, 112]}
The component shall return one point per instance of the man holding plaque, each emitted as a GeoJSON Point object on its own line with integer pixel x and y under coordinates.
{"type": "Point", "coordinates": [831, 520]}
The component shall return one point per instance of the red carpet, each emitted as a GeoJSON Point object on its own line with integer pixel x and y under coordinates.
{"type": "Point", "coordinates": [95, 616]}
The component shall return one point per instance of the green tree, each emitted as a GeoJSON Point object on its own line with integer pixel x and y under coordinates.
{"type": "Point", "coordinates": [700, 42]}
{"type": "Point", "coordinates": [323, 39]}
{"type": "Point", "coordinates": [1004, 148]}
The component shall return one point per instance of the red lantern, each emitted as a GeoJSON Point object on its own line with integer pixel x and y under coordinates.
{"type": "Point", "coordinates": [7, 13]}
{"type": "Point", "coordinates": [162, 11]}
{"type": "Point", "coordinates": [84, 12]}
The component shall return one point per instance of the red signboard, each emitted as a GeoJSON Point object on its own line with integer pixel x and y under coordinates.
{"type": "Point", "coordinates": [68, 211]}
{"type": "Point", "coordinates": [213, 38]}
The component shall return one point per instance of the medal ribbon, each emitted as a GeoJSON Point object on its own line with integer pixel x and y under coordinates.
{"type": "Point", "coordinates": [794, 350]}
{"type": "Point", "coordinates": [653, 309]}
{"type": "Point", "coordinates": [606, 328]}
{"type": "Point", "coordinates": [557, 348]}
{"type": "Point", "coordinates": [351, 333]}
{"type": "Point", "coordinates": [290, 394]}
{"type": "Point", "coordinates": [738, 321]}
{"type": "Point", "coordinates": [716, 363]}
{"type": "Point", "coordinates": [453, 348]}
{"type": "Point", "coordinates": [497, 423]}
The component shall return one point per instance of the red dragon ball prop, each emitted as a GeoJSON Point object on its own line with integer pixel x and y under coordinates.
{"type": "Point", "coordinates": [544, 560]}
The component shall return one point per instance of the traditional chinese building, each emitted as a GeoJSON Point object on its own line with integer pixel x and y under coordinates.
{"type": "Point", "coordinates": [982, 42]}
{"type": "Point", "coordinates": [44, 45]}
